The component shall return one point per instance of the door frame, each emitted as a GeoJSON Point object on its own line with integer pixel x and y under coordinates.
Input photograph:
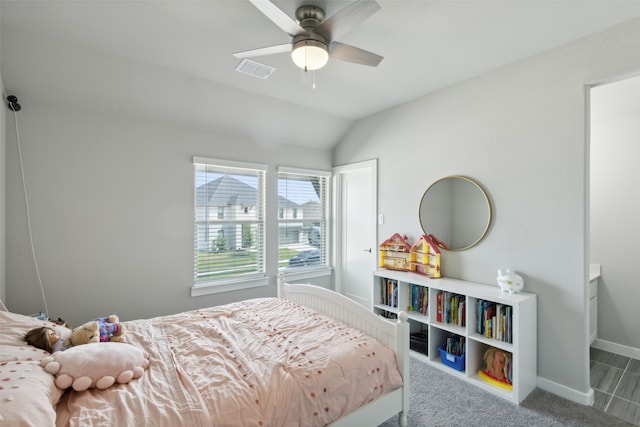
{"type": "Point", "coordinates": [338, 251]}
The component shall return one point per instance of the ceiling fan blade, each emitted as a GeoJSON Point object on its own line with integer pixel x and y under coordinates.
{"type": "Point", "coordinates": [270, 50]}
{"type": "Point", "coordinates": [345, 20]}
{"type": "Point", "coordinates": [348, 53]}
{"type": "Point", "coordinates": [281, 19]}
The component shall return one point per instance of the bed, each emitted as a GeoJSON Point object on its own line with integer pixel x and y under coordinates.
{"type": "Point", "coordinates": [309, 357]}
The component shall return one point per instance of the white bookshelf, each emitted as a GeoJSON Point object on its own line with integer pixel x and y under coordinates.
{"type": "Point", "coordinates": [523, 325]}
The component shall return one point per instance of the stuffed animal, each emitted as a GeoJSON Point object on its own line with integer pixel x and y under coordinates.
{"type": "Point", "coordinates": [102, 329]}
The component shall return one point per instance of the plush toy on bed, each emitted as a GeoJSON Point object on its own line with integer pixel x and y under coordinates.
{"type": "Point", "coordinates": [102, 329]}
{"type": "Point", "coordinates": [100, 366]}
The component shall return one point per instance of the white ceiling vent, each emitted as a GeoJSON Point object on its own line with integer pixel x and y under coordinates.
{"type": "Point", "coordinates": [255, 69]}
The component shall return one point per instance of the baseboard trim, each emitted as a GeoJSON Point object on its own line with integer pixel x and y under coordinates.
{"type": "Point", "coordinates": [616, 348]}
{"type": "Point", "coordinates": [585, 399]}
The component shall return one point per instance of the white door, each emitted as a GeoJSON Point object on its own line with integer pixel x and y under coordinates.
{"type": "Point", "coordinates": [356, 206]}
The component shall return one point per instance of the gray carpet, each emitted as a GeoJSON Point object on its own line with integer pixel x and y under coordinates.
{"type": "Point", "coordinates": [439, 399]}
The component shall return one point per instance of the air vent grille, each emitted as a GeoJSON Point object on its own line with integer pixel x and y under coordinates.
{"type": "Point", "coordinates": [255, 69]}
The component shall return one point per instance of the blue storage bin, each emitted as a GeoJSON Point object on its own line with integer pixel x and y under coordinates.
{"type": "Point", "coordinates": [451, 360]}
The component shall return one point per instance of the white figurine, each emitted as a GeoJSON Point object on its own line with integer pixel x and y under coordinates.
{"type": "Point", "coordinates": [509, 281]}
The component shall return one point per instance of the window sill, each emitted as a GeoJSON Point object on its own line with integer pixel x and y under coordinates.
{"type": "Point", "coordinates": [237, 285]}
{"type": "Point", "coordinates": [228, 286]}
{"type": "Point", "coordinates": [307, 273]}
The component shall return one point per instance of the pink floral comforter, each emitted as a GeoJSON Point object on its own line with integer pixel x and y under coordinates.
{"type": "Point", "coordinates": [261, 362]}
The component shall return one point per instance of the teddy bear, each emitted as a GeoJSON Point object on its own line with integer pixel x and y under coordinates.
{"type": "Point", "coordinates": [102, 329]}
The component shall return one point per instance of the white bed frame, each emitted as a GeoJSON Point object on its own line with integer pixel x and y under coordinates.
{"type": "Point", "coordinates": [394, 335]}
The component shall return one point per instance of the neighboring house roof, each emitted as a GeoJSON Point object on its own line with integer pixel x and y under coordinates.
{"type": "Point", "coordinates": [228, 191]}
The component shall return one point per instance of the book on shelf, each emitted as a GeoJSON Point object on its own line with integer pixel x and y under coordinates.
{"type": "Point", "coordinates": [389, 292]}
{"type": "Point", "coordinates": [451, 308]}
{"type": "Point", "coordinates": [493, 320]}
{"type": "Point", "coordinates": [418, 298]}
{"type": "Point", "coordinates": [455, 345]}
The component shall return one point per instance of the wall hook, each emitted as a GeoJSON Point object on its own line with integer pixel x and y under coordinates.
{"type": "Point", "coordinates": [13, 103]}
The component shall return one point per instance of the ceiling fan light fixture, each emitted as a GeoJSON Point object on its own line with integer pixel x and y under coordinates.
{"type": "Point", "coordinates": [310, 55]}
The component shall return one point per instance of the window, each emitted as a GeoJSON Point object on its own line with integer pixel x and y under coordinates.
{"type": "Point", "coordinates": [302, 218]}
{"type": "Point", "coordinates": [229, 220]}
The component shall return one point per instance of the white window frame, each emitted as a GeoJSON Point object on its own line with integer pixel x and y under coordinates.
{"type": "Point", "coordinates": [323, 268]}
{"type": "Point", "coordinates": [239, 281]}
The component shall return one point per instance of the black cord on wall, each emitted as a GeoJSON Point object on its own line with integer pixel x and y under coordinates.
{"type": "Point", "coordinates": [15, 107]}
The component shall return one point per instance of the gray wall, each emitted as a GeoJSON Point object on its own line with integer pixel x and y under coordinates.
{"type": "Point", "coordinates": [521, 132]}
{"type": "Point", "coordinates": [3, 136]}
{"type": "Point", "coordinates": [615, 209]}
{"type": "Point", "coordinates": [111, 203]}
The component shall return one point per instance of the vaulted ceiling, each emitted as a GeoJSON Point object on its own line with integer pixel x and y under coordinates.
{"type": "Point", "coordinates": [172, 61]}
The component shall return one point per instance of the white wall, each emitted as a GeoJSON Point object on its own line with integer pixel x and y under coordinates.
{"type": "Point", "coordinates": [111, 203]}
{"type": "Point", "coordinates": [3, 135]}
{"type": "Point", "coordinates": [615, 209]}
{"type": "Point", "coordinates": [521, 133]}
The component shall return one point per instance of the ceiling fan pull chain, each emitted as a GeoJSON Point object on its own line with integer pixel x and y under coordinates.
{"type": "Point", "coordinates": [306, 60]}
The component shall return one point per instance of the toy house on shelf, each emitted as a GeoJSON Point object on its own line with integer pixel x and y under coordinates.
{"type": "Point", "coordinates": [395, 253]}
{"type": "Point", "coordinates": [425, 257]}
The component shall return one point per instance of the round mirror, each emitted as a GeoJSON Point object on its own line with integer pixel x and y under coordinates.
{"type": "Point", "coordinates": [456, 211]}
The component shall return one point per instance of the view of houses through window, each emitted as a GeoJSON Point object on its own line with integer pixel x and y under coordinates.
{"type": "Point", "coordinates": [302, 218]}
{"type": "Point", "coordinates": [230, 215]}
{"type": "Point", "coordinates": [229, 220]}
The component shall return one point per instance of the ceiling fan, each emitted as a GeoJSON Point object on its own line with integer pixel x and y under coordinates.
{"type": "Point", "coordinates": [314, 38]}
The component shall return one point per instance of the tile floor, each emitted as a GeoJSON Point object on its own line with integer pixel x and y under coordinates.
{"type": "Point", "coordinates": [615, 380]}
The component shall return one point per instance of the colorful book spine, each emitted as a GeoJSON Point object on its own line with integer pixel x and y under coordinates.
{"type": "Point", "coordinates": [494, 320]}
{"type": "Point", "coordinates": [453, 307]}
{"type": "Point", "coordinates": [417, 298]}
{"type": "Point", "coordinates": [455, 345]}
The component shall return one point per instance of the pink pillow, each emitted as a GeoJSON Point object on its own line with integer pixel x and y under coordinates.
{"type": "Point", "coordinates": [28, 396]}
{"type": "Point", "coordinates": [14, 326]}
{"type": "Point", "coordinates": [99, 365]}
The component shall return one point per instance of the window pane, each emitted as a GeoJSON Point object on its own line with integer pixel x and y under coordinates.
{"type": "Point", "coordinates": [302, 222]}
{"type": "Point", "coordinates": [229, 222]}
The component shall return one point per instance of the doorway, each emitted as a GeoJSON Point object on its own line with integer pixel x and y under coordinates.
{"type": "Point", "coordinates": [355, 211]}
{"type": "Point", "coordinates": [611, 241]}
{"type": "Point", "coordinates": [613, 212]}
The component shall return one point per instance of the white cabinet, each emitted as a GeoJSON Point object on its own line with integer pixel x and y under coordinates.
{"type": "Point", "coordinates": [395, 291]}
